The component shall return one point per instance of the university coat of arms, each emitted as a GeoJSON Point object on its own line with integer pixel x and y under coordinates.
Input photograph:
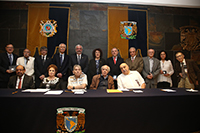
{"type": "Point", "coordinates": [70, 120]}
{"type": "Point", "coordinates": [190, 38]}
{"type": "Point", "coordinates": [48, 28]}
{"type": "Point", "coordinates": [128, 29]}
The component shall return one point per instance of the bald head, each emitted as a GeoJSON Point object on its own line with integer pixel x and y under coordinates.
{"type": "Point", "coordinates": [124, 68]}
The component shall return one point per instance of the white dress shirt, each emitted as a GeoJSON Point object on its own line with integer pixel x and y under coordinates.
{"type": "Point", "coordinates": [18, 80]}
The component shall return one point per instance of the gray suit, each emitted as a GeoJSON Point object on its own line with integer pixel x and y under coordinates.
{"type": "Point", "coordinates": [151, 83]}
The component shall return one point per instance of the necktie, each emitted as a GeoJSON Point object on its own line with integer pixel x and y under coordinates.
{"type": "Point", "coordinates": [183, 71]}
{"type": "Point", "coordinates": [10, 59]}
{"type": "Point", "coordinates": [19, 85]}
{"type": "Point", "coordinates": [114, 60]}
{"type": "Point", "coordinates": [132, 59]}
{"type": "Point", "coordinates": [61, 59]}
{"type": "Point", "coordinates": [27, 59]}
{"type": "Point", "coordinates": [43, 61]}
{"type": "Point", "coordinates": [79, 59]}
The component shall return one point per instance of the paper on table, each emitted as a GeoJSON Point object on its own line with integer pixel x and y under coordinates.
{"type": "Point", "coordinates": [137, 91]}
{"type": "Point", "coordinates": [168, 90]}
{"type": "Point", "coordinates": [53, 92]}
{"type": "Point", "coordinates": [191, 90]}
{"type": "Point", "coordinates": [79, 90]}
{"type": "Point", "coordinates": [35, 90]}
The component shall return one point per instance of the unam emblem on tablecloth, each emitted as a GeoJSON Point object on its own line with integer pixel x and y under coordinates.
{"type": "Point", "coordinates": [128, 29]}
{"type": "Point", "coordinates": [48, 28]}
{"type": "Point", "coordinates": [70, 120]}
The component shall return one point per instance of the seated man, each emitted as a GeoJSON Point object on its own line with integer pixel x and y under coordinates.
{"type": "Point", "coordinates": [129, 79]}
{"type": "Point", "coordinates": [78, 80]}
{"type": "Point", "coordinates": [103, 80]}
{"type": "Point", "coordinates": [21, 80]}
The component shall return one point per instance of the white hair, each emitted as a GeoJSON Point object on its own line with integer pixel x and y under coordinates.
{"type": "Point", "coordinates": [78, 45]}
{"type": "Point", "coordinates": [106, 66]}
{"type": "Point", "coordinates": [62, 43]}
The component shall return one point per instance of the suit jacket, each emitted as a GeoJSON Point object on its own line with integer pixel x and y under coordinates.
{"type": "Point", "coordinates": [155, 70]}
{"type": "Point", "coordinates": [137, 64]}
{"type": "Point", "coordinates": [96, 80]}
{"type": "Point", "coordinates": [40, 68]}
{"type": "Point", "coordinates": [64, 68]}
{"type": "Point", "coordinates": [83, 62]}
{"type": "Point", "coordinates": [4, 65]}
{"type": "Point", "coordinates": [193, 71]}
{"type": "Point", "coordinates": [114, 68]}
{"type": "Point", "coordinates": [27, 82]}
{"type": "Point", "coordinates": [92, 68]}
{"type": "Point", "coordinates": [29, 66]}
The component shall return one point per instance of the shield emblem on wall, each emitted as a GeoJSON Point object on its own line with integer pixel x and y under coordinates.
{"type": "Point", "coordinates": [128, 29]}
{"type": "Point", "coordinates": [70, 123]}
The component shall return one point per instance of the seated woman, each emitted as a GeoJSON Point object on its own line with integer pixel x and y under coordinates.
{"type": "Point", "coordinates": [52, 81]}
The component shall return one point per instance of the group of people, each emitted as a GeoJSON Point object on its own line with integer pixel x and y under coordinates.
{"type": "Point", "coordinates": [73, 71]}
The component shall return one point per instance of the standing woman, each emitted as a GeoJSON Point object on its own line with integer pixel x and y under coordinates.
{"type": "Point", "coordinates": [164, 77]}
{"type": "Point", "coordinates": [95, 64]}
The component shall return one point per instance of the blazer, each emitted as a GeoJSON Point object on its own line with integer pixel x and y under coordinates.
{"type": "Point", "coordinates": [92, 68]}
{"type": "Point", "coordinates": [40, 68]}
{"type": "Point", "coordinates": [137, 64]}
{"type": "Point", "coordinates": [4, 65]}
{"type": "Point", "coordinates": [29, 66]}
{"type": "Point", "coordinates": [27, 82]}
{"type": "Point", "coordinates": [83, 62]}
{"type": "Point", "coordinates": [193, 71]}
{"type": "Point", "coordinates": [114, 68]}
{"type": "Point", "coordinates": [64, 68]}
{"type": "Point", "coordinates": [96, 80]}
{"type": "Point", "coordinates": [155, 69]}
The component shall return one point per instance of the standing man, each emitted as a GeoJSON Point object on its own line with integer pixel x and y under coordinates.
{"type": "Point", "coordinates": [7, 59]}
{"type": "Point", "coordinates": [21, 80]}
{"type": "Point", "coordinates": [134, 63]}
{"type": "Point", "coordinates": [41, 64]}
{"type": "Point", "coordinates": [63, 62]}
{"type": "Point", "coordinates": [129, 79]}
{"type": "Point", "coordinates": [151, 69]}
{"type": "Point", "coordinates": [114, 63]}
{"type": "Point", "coordinates": [28, 62]}
{"type": "Point", "coordinates": [187, 72]}
{"type": "Point", "coordinates": [79, 59]}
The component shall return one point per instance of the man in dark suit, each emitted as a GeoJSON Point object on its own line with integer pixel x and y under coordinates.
{"type": "Point", "coordinates": [187, 72]}
{"type": "Point", "coordinates": [21, 80]}
{"type": "Point", "coordinates": [114, 62]}
{"type": "Point", "coordinates": [79, 59]}
{"type": "Point", "coordinates": [7, 59]}
{"type": "Point", "coordinates": [151, 69]}
{"type": "Point", "coordinates": [40, 65]}
{"type": "Point", "coordinates": [63, 62]}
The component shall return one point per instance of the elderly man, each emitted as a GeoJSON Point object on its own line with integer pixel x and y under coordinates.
{"type": "Point", "coordinates": [134, 63]}
{"type": "Point", "coordinates": [78, 80]}
{"type": "Point", "coordinates": [63, 62]}
{"type": "Point", "coordinates": [151, 69]}
{"type": "Point", "coordinates": [114, 63]}
{"type": "Point", "coordinates": [187, 72]}
{"type": "Point", "coordinates": [27, 61]}
{"type": "Point", "coordinates": [129, 79]}
{"type": "Point", "coordinates": [21, 80]}
{"type": "Point", "coordinates": [7, 61]}
{"type": "Point", "coordinates": [79, 58]}
{"type": "Point", "coordinates": [103, 80]}
{"type": "Point", "coordinates": [41, 64]}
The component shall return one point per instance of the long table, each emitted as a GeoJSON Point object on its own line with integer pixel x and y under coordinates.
{"type": "Point", "coordinates": [152, 111]}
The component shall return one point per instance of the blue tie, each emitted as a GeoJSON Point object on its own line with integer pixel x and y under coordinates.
{"type": "Point", "coordinates": [10, 59]}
